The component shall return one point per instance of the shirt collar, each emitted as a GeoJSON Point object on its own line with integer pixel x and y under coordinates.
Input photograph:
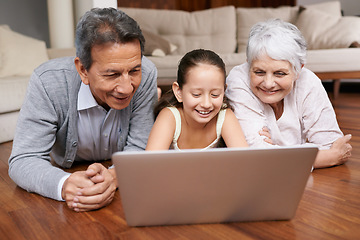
{"type": "Point", "coordinates": [85, 98]}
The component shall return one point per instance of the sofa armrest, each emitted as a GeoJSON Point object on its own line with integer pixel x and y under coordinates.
{"type": "Point", "coordinates": [60, 52]}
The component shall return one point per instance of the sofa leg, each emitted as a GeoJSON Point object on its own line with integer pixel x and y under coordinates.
{"type": "Point", "coordinates": [336, 88]}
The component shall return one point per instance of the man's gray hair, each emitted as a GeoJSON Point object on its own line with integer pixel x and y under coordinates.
{"type": "Point", "coordinates": [102, 25]}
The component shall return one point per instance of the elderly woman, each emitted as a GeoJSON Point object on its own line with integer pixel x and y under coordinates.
{"type": "Point", "coordinates": [278, 101]}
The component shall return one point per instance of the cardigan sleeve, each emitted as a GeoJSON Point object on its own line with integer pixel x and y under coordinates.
{"type": "Point", "coordinates": [142, 116]}
{"type": "Point", "coordinates": [29, 163]}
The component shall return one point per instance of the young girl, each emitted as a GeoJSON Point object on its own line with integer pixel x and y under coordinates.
{"type": "Point", "coordinates": [195, 114]}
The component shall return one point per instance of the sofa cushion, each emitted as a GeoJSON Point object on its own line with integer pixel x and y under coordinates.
{"type": "Point", "coordinates": [247, 17]}
{"type": "Point", "coordinates": [5, 26]}
{"type": "Point", "coordinates": [61, 52]}
{"type": "Point", "coordinates": [19, 54]}
{"type": "Point", "coordinates": [213, 29]}
{"type": "Point", "coordinates": [325, 31]}
{"type": "Point", "coordinates": [155, 45]}
{"type": "Point", "coordinates": [355, 45]}
{"type": "Point", "coordinates": [334, 60]}
{"type": "Point", "coordinates": [332, 8]}
{"type": "Point", "coordinates": [12, 92]}
{"type": "Point", "coordinates": [167, 66]}
{"type": "Point", "coordinates": [7, 126]}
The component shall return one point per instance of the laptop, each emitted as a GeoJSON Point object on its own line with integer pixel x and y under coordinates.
{"type": "Point", "coordinates": [212, 186]}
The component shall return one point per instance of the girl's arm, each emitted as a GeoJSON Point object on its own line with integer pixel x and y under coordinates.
{"type": "Point", "coordinates": [162, 132]}
{"type": "Point", "coordinates": [232, 132]}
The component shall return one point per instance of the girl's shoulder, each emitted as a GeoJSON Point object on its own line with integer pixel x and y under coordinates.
{"type": "Point", "coordinates": [169, 112]}
{"type": "Point", "coordinates": [227, 112]}
{"type": "Point", "coordinates": [172, 109]}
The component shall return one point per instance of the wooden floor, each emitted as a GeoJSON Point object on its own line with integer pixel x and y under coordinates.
{"type": "Point", "coordinates": [329, 209]}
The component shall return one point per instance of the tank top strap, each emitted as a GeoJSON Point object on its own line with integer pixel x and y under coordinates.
{"type": "Point", "coordinates": [220, 122]}
{"type": "Point", "coordinates": [177, 116]}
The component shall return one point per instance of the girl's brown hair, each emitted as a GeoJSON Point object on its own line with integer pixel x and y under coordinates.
{"type": "Point", "coordinates": [190, 60]}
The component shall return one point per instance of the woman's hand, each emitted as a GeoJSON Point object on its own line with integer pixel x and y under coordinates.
{"type": "Point", "coordinates": [266, 133]}
{"type": "Point", "coordinates": [342, 149]}
{"type": "Point", "coordinates": [338, 154]}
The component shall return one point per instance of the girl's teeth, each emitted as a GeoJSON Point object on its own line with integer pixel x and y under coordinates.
{"type": "Point", "coordinates": [202, 112]}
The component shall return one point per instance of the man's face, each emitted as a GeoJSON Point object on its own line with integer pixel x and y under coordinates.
{"type": "Point", "coordinates": [115, 73]}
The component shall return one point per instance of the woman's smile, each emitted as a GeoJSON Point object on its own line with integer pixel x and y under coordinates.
{"type": "Point", "coordinates": [269, 92]}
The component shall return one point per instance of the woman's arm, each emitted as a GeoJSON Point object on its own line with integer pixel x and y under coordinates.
{"type": "Point", "coordinates": [339, 153]}
{"type": "Point", "coordinates": [232, 132]}
{"type": "Point", "coordinates": [320, 124]}
{"type": "Point", "coordinates": [162, 132]}
{"type": "Point", "coordinates": [248, 109]}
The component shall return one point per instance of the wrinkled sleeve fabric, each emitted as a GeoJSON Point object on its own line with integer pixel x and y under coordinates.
{"type": "Point", "coordinates": [29, 163]}
{"type": "Point", "coordinates": [142, 108]}
{"type": "Point", "coordinates": [248, 109]}
{"type": "Point", "coordinates": [311, 118]}
{"type": "Point", "coordinates": [47, 125]}
{"type": "Point", "coordinates": [319, 121]}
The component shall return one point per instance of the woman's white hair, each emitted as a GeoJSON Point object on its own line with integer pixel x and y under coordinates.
{"type": "Point", "coordinates": [279, 40]}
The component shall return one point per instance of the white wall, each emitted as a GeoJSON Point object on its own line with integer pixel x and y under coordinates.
{"type": "Point", "coordinates": [27, 17]}
{"type": "Point", "coordinates": [30, 17]}
{"type": "Point", "coordinates": [349, 7]}
{"type": "Point", "coordinates": [63, 16]}
{"type": "Point", "coordinates": [61, 23]}
{"type": "Point", "coordinates": [81, 6]}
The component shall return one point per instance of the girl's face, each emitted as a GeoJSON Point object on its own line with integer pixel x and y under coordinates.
{"type": "Point", "coordinates": [203, 93]}
{"type": "Point", "coordinates": [271, 80]}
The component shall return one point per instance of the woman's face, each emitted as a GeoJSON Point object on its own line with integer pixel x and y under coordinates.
{"type": "Point", "coordinates": [271, 80]}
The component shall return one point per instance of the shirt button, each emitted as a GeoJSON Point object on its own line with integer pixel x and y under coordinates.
{"type": "Point", "coordinates": [106, 135]}
{"type": "Point", "coordinates": [74, 144]}
{"type": "Point", "coordinates": [69, 160]}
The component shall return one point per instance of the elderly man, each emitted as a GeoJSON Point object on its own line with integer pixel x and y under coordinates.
{"type": "Point", "coordinates": [85, 109]}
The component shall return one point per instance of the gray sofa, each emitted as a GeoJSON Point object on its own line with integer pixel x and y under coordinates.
{"type": "Point", "coordinates": [172, 33]}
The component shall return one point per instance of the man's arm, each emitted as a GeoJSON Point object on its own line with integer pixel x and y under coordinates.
{"type": "Point", "coordinates": [100, 194]}
{"type": "Point", "coordinates": [142, 112]}
{"type": "Point", "coordinates": [29, 163]}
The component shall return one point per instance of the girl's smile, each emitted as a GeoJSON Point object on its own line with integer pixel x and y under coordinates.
{"type": "Point", "coordinates": [202, 95]}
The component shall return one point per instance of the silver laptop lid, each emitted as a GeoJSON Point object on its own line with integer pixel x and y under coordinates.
{"type": "Point", "coordinates": [212, 186]}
